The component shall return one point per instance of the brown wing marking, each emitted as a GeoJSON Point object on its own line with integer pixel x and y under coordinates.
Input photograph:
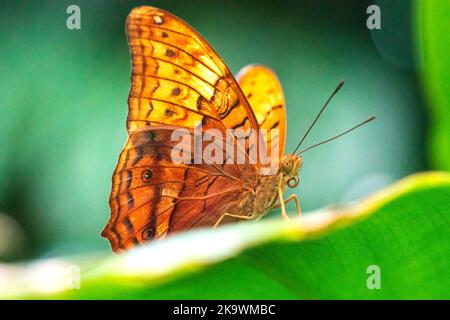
{"type": "Point", "coordinates": [153, 196]}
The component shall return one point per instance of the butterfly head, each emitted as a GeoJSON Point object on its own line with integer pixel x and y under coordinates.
{"type": "Point", "coordinates": [290, 167]}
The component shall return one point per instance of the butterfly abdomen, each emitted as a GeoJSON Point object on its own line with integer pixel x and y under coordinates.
{"type": "Point", "coordinates": [266, 194]}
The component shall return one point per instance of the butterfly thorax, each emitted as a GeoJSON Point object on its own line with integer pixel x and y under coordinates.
{"type": "Point", "coordinates": [266, 192]}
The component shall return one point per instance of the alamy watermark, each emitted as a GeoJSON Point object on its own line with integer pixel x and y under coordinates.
{"type": "Point", "coordinates": [234, 146]}
{"type": "Point", "coordinates": [73, 21]}
{"type": "Point", "coordinates": [374, 279]}
{"type": "Point", "coordinates": [374, 20]}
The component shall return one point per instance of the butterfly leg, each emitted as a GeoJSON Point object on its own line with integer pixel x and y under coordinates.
{"type": "Point", "coordinates": [297, 203]}
{"type": "Point", "coordinates": [233, 216]}
{"type": "Point", "coordinates": [282, 204]}
{"type": "Point", "coordinates": [289, 199]}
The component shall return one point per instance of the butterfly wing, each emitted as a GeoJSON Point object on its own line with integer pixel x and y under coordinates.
{"type": "Point", "coordinates": [265, 95]}
{"type": "Point", "coordinates": [177, 81]}
{"type": "Point", "coordinates": [152, 195]}
{"type": "Point", "coordinates": [177, 78]}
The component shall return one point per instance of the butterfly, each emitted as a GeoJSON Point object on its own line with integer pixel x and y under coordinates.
{"type": "Point", "coordinates": [178, 81]}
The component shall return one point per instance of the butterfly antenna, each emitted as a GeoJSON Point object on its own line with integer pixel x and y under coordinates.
{"type": "Point", "coordinates": [339, 135]}
{"type": "Point", "coordinates": [320, 112]}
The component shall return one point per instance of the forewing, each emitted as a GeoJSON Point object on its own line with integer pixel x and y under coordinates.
{"type": "Point", "coordinates": [178, 79]}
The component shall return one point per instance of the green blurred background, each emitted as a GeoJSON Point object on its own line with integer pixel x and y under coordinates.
{"type": "Point", "coordinates": [63, 103]}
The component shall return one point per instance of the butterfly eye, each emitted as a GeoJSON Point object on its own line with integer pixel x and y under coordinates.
{"type": "Point", "coordinates": [147, 233]}
{"type": "Point", "coordinates": [147, 175]}
{"type": "Point", "coordinates": [287, 167]}
{"type": "Point", "coordinates": [292, 182]}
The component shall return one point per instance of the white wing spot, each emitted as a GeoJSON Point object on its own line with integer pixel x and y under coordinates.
{"type": "Point", "coordinates": [158, 19]}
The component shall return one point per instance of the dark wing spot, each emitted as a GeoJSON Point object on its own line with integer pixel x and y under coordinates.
{"type": "Point", "coordinates": [176, 91]}
{"type": "Point", "coordinates": [128, 224]}
{"type": "Point", "coordinates": [147, 233]}
{"type": "Point", "coordinates": [240, 124]}
{"type": "Point", "coordinates": [249, 95]}
{"type": "Point", "coordinates": [275, 125]}
{"type": "Point", "coordinates": [147, 175]}
{"type": "Point", "coordinates": [155, 87]}
{"type": "Point", "coordinates": [150, 109]}
{"type": "Point", "coordinates": [164, 35]}
{"type": "Point", "coordinates": [170, 53]}
{"type": "Point", "coordinates": [139, 153]}
{"type": "Point", "coordinates": [150, 135]}
{"type": "Point", "coordinates": [201, 180]}
{"type": "Point", "coordinates": [130, 200]}
{"type": "Point", "coordinates": [168, 112]}
{"type": "Point", "coordinates": [205, 121]}
{"type": "Point", "coordinates": [129, 179]}
{"type": "Point", "coordinates": [159, 156]}
{"type": "Point", "coordinates": [200, 102]}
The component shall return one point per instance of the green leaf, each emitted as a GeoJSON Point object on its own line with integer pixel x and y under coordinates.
{"type": "Point", "coordinates": [433, 46]}
{"type": "Point", "coordinates": [402, 230]}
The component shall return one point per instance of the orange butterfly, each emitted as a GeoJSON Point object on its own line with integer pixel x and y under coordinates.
{"type": "Point", "coordinates": [178, 80]}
